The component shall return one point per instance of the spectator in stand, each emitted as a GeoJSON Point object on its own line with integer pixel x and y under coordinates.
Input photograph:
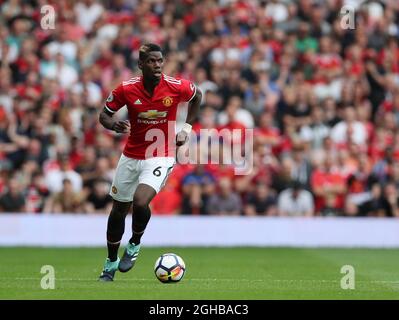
{"type": "Point", "coordinates": [295, 201]}
{"type": "Point", "coordinates": [102, 172]}
{"type": "Point", "coordinates": [375, 206]}
{"type": "Point", "coordinates": [261, 202]}
{"type": "Point", "coordinates": [87, 166]}
{"type": "Point", "coordinates": [235, 116]}
{"type": "Point", "coordinates": [394, 176]}
{"type": "Point", "coordinates": [198, 186]}
{"type": "Point", "coordinates": [65, 201]}
{"type": "Point", "coordinates": [90, 90]}
{"type": "Point", "coordinates": [358, 185]}
{"type": "Point", "coordinates": [226, 202]}
{"type": "Point", "coordinates": [316, 131]}
{"type": "Point", "coordinates": [87, 12]}
{"type": "Point", "coordinates": [266, 133]}
{"type": "Point", "coordinates": [302, 168]}
{"type": "Point", "coordinates": [12, 199]}
{"type": "Point", "coordinates": [282, 179]}
{"type": "Point", "coordinates": [383, 168]}
{"type": "Point", "coordinates": [37, 194]}
{"type": "Point", "coordinates": [390, 200]}
{"type": "Point", "coordinates": [328, 184]}
{"type": "Point", "coordinates": [55, 178]}
{"type": "Point", "coordinates": [115, 73]}
{"type": "Point", "coordinates": [349, 129]}
{"type": "Point", "coordinates": [99, 200]}
{"type": "Point", "coordinates": [167, 201]}
{"type": "Point", "coordinates": [12, 143]}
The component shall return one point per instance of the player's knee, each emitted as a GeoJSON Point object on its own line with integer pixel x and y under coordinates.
{"type": "Point", "coordinates": [120, 210]}
{"type": "Point", "coordinates": [141, 211]}
{"type": "Point", "coordinates": [140, 202]}
{"type": "Point", "coordinates": [115, 212]}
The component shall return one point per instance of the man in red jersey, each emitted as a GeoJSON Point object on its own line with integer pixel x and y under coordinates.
{"type": "Point", "coordinates": [151, 101]}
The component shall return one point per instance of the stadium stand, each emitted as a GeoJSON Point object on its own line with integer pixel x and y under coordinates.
{"type": "Point", "coordinates": [322, 100]}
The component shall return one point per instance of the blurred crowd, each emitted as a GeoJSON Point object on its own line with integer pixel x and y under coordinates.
{"type": "Point", "coordinates": [322, 100]}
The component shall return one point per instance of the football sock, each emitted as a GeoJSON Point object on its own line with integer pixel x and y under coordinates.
{"type": "Point", "coordinates": [136, 237]}
{"type": "Point", "coordinates": [115, 229]}
{"type": "Point", "coordinates": [141, 216]}
{"type": "Point", "coordinates": [113, 250]}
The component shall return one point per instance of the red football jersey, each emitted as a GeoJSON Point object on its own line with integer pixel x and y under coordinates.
{"type": "Point", "coordinates": [152, 118]}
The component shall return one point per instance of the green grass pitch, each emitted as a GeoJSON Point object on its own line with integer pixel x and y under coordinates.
{"type": "Point", "coordinates": [212, 273]}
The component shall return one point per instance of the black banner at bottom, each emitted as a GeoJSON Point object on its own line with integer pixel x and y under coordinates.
{"type": "Point", "coordinates": [192, 309]}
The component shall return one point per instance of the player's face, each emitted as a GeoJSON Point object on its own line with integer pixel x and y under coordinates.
{"type": "Point", "coordinates": [152, 65]}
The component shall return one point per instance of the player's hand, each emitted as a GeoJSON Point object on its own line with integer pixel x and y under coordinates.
{"type": "Point", "coordinates": [121, 126]}
{"type": "Point", "coordinates": [181, 138]}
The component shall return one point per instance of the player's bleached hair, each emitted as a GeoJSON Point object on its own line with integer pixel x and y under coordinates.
{"type": "Point", "coordinates": [145, 49]}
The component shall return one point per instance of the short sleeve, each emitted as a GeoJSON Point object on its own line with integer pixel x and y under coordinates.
{"type": "Point", "coordinates": [115, 100]}
{"type": "Point", "coordinates": [187, 90]}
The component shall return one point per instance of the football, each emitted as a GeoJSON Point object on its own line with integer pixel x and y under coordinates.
{"type": "Point", "coordinates": [169, 267]}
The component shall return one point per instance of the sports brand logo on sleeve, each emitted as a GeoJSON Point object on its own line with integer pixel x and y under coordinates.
{"type": "Point", "coordinates": [110, 97]}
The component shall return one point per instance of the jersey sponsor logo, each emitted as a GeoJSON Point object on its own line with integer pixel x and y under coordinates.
{"type": "Point", "coordinates": [137, 101]}
{"type": "Point", "coordinates": [152, 121]}
{"type": "Point", "coordinates": [152, 114]}
{"type": "Point", "coordinates": [167, 101]}
{"type": "Point", "coordinates": [110, 97]}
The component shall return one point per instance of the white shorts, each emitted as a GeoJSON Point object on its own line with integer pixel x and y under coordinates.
{"type": "Point", "coordinates": [132, 172]}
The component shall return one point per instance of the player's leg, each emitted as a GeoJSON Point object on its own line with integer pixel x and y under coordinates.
{"type": "Point", "coordinates": [152, 178]}
{"type": "Point", "coordinates": [116, 227]}
{"type": "Point", "coordinates": [122, 190]}
{"type": "Point", "coordinates": [115, 230]}
{"type": "Point", "coordinates": [141, 215]}
{"type": "Point", "coordinates": [141, 211]}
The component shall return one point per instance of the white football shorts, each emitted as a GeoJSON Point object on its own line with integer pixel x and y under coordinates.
{"type": "Point", "coordinates": [132, 172]}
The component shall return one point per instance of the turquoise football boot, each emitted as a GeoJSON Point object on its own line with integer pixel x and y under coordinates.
{"type": "Point", "coordinates": [109, 270]}
{"type": "Point", "coordinates": [129, 257]}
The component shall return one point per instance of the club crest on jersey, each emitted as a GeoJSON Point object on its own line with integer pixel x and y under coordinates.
{"type": "Point", "coordinates": [110, 97]}
{"type": "Point", "coordinates": [114, 190]}
{"type": "Point", "coordinates": [152, 114]}
{"type": "Point", "coordinates": [167, 101]}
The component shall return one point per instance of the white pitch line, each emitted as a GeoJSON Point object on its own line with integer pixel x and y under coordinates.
{"type": "Point", "coordinates": [218, 280]}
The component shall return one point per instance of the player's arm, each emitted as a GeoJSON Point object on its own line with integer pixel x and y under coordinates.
{"type": "Point", "coordinates": [108, 122]}
{"type": "Point", "coordinates": [193, 109]}
{"type": "Point", "coordinates": [115, 101]}
{"type": "Point", "coordinates": [194, 106]}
